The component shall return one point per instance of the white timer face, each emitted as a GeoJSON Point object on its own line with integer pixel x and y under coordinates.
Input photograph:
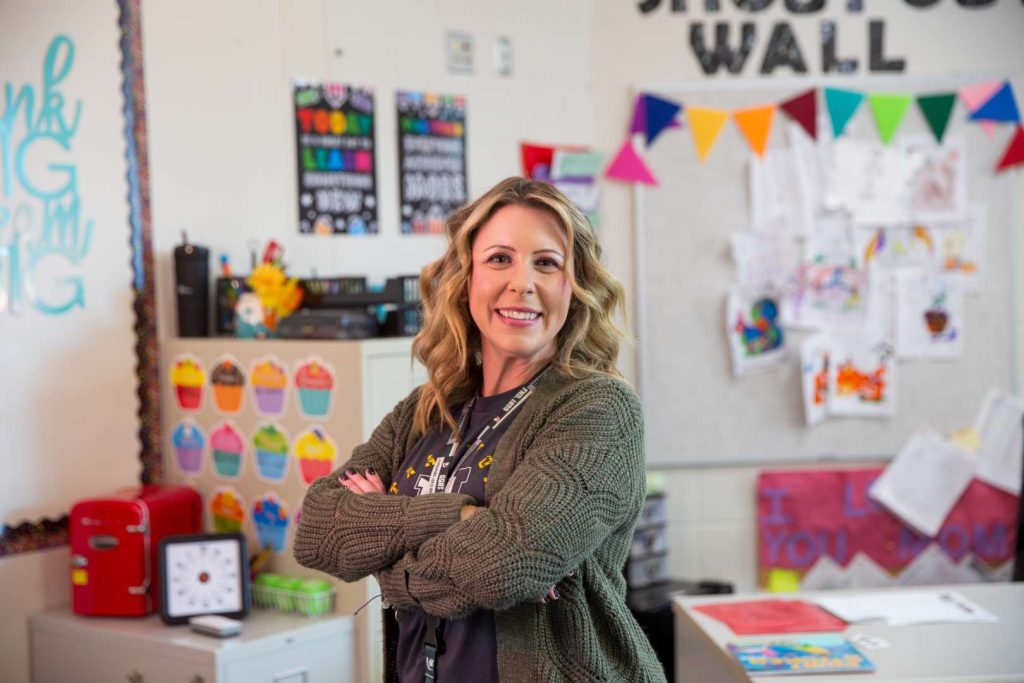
{"type": "Point", "coordinates": [203, 577]}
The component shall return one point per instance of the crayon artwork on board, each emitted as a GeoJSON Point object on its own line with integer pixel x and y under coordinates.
{"type": "Point", "coordinates": [756, 339]}
{"type": "Point", "coordinates": [929, 315]}
{"type": "Point", "coordinates": [814, 366]}
{"type": "Point", "coordinates": [862, 377]}
{"type": "Point", "coordinates": [960, 249]}
{"type": "Point", "coordinates": [828, 290]}
{"type": "Point", "coordinates": [894, 247]}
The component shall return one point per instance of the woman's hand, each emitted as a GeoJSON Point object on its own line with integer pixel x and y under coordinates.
{"type": "Point", "coordinates": [553, 594]}
{"type": "Point", "coordinates": [368, 482]}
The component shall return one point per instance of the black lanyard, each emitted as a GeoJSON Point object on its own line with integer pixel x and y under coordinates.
{"type": "Point", "coordinates": [438, 479]}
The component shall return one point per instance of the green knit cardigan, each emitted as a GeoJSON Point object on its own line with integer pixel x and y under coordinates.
{"type": "Point", "coordinates": [563, 495]}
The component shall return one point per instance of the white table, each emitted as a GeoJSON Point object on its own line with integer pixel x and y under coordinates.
{"type": "Point", "coordinates": [978, 653]}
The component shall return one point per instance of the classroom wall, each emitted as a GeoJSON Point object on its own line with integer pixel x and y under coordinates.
{"type": "Point", "coordinates": [711, 513]}
{"type": "Point", "coordinates": [217, 77]}
{"type": "Point", "coordinates": [221, 120]}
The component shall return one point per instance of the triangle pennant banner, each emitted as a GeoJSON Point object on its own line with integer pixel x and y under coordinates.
{"type": "Point", "coordinates": [705, 125]}
{"type": "Point", "coordinates": [756, 124]}
{"type": "Point", "coordinates": [842, 105]}
{"type": "Point", "coordinates": [936, 110]}
{"type": "Point", "coordinates": [628, 166]}
{"type": "Point", "coordinates": [804, 110]}
{"type": "Point", "coordinates": [660, 115]}
{"type": "Point", "coordinates": [976, 95]}
{"type": "Point", "coordinates": [1014, 154]}
{"type": "Point", "coordinates": [639, 122]}
{"type": "Point", "coordinates": [888, 110]}
{"type": "Point", "coordinates": [1000, 107]}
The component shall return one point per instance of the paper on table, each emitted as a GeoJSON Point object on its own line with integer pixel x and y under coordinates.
{"type": "Point", "coordinates": [772, 616]}
{"type": "Point", "coordinates": [1002, 441]}
{"type": "Point", "coordinates": [905, 608]}
{"type": "Point", "coordinates": [923, 482]}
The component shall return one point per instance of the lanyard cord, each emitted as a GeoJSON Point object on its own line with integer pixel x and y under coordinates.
{"type": "Point", "coordinates": [437, 478]}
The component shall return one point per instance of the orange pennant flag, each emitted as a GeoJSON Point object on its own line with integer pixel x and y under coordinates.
{"type": "Point", "coordinates": [705, 125]}
{"type": "Point", "coordinates": [756, 125]}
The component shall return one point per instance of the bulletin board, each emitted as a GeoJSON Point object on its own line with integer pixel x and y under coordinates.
{"type": "Point", "coordinates": [697, 412]}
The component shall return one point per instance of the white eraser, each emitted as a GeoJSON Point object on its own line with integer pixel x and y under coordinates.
{"type": "Point", "coordinates": [214, 625]}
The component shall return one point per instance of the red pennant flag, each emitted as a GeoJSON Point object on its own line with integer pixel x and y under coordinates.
{"type": "Point", "coordinates": [1014, 154]}
{"type": "Point", "coordinates": [804, 110]}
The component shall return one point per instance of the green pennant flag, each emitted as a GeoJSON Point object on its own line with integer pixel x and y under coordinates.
{"type": "Point", "coordinates": [888, 110]}
{"type": "Point", "coordinates": [936, 110]}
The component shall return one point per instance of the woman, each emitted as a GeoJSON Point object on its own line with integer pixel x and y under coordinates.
{"type": "Point", "coordinates": [496, 504]}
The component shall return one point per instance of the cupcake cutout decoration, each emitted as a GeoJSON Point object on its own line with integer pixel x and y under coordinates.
{"type": "Point", "coordinates": [227, 510]}
{"type": "Point", "coordinates": [187, 442]}
{"type": "Point", "coordinates": [227, 445]}
{"type": "Point", "coordinates": [314, 454]}
{"type": "Point", "coordinates": [270, 517]}
{"type": "Point", "coordinates": [269, 381]}
{"type": "Point", "coordinates": [188, 378]}
{"type": "Point", "coordinates": [228, 383]}
{"type": "Point", "coordinates": [271, 447]}
{"type": "Point", "coordinates": [314, 383]}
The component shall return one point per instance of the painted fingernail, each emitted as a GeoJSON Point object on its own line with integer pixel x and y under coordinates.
{"type": "Point", "coordinates": [349, 472]}
{"type": "Point", "coordinates": [555, 593]}
{"type": "Point", "coordinates": [343, 477]}
{"type": "Point", "coordinates": [372, 472]}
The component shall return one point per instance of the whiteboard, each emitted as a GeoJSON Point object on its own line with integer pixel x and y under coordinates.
{"type": "Point", "coordinates": [697, 413]}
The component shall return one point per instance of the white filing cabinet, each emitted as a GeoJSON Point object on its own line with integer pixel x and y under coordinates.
{"type": "Point", "coordinates": [273, 648]}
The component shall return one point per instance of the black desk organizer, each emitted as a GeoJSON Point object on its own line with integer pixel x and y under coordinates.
{"type": "Point", "coordinates": [337, 307]}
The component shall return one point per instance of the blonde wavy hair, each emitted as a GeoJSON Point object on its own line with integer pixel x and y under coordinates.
{"type": "Point", "coordinates": [449, 342]}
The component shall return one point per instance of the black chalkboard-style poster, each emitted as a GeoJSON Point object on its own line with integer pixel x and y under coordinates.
{"type": "Point", "coordinates": [334, 136]}
{"type": "Point", "coordinates": [431, 159]}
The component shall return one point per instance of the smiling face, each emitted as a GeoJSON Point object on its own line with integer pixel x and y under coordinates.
{"type": "Point", "coordinates": [519, 293]}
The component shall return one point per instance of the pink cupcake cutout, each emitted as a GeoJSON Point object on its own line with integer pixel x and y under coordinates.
{"type": "Point", "coordinates": [314, 382]}
{"type": "Point", "coordinates": [227, 445]}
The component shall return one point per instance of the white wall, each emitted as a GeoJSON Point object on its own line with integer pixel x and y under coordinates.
{"type": "Point", "coordinates": [712, 510]}
{"type": "Point", "coordinates": [221, 120]}
{"type": "Point", "coordinates": [67, 381]}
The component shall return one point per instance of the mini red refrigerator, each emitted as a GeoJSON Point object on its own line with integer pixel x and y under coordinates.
{"type": "Point", "coordinates": [114, 545]}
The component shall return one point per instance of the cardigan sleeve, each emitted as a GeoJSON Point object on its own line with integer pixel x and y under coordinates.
{"type": "Point", "coordinates": [350, 535]}
{"type": "Point", "coordinates": [580, 480]}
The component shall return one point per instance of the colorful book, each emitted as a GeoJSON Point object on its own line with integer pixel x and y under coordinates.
{"type": "Point", "coordinates": [805, 655]}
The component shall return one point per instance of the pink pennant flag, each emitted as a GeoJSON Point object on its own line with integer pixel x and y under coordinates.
{"type": "Point", "coordinates": [976, 95]}
{"type": "Point", "coordinates": [628, 166]}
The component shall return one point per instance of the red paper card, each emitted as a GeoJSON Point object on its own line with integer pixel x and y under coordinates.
{"type": "Point", "coordinates": [773, 616]}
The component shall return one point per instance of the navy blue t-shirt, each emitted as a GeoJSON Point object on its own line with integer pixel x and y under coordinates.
{"type": "Point", "coordinates": [468, 648]}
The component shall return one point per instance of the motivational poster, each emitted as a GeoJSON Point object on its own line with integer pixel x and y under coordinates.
{"type": "Point", "coordinates": [431, 159]}
{"type": "Point", "coordinates": [334, 131]}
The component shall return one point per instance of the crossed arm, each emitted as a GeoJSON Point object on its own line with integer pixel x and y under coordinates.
{"type": "Point", "coordinates": [572, 488]}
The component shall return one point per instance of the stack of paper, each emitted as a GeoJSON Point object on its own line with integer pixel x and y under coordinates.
{"type": "Point", "coordinates": [903, 608]}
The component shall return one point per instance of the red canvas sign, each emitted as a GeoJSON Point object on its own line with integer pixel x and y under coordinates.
{"type": "Point", "coordinates": [802, 515]}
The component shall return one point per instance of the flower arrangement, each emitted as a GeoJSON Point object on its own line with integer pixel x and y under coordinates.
{"type": "Point", "coordinates": [279, 294]}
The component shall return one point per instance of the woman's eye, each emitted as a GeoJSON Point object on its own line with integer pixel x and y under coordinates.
{"type": "Point", "coordinates": [500, 259]}
{"type": "Point", "coordinates": [547, 263]}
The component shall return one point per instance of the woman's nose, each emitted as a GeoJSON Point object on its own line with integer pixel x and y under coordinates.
{"type": "Point", "coordinates": [521, 281]}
